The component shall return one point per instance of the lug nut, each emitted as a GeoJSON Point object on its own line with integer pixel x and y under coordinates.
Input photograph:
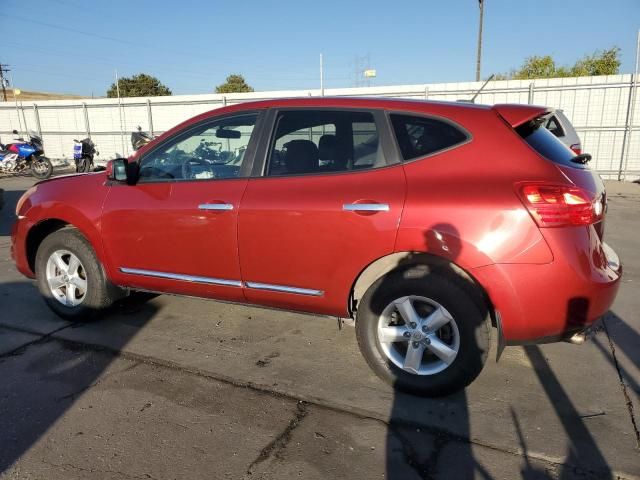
{"type": "Point", "coordinates": [407, 334]}
{"type": "Point", "coordinates": [413, 325]}
{"type": "Point", "coordinates": [425, 329]}
{"type": "Point", "coordinates": [427, 341]}
{"type": "Point", "coordinates": [416, 344]}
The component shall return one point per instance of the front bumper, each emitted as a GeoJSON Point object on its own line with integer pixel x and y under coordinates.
{"type": "Point", "coordinates": [19, 232]}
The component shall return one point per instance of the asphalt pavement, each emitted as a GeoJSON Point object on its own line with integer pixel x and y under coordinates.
{"type": "Point", "coordinates": [188, 388]}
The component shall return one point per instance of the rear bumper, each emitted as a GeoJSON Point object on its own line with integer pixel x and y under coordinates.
{"type": "Point", "coordinates": [550, 302]}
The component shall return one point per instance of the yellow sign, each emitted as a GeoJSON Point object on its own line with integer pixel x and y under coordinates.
{"type": "Point", "coordinates": [17, 91]}
{"type": "Point", "coordinates": [370, 73]}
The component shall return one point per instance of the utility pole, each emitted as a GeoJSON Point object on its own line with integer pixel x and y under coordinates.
{"type": "Point", "coordinates": [479, 40]}
{"type": "Point", "coordinates": [3, 70]}
{"type": "Point", "coordinates": [321, 77]}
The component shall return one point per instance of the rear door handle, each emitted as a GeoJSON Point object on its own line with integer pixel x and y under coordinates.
{"type": "Point", "coordinates": [366, 207]}
{"type": "Point", "coordinates": [215, 206]}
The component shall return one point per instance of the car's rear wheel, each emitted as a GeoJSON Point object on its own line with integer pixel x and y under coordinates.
{"type": "Point", "coordinates": [423, 332]}
{"type": "Point", "coordinates": [70, 277]}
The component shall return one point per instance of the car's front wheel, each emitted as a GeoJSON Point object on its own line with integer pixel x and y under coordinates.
{"type": "Point", "coordinates": [423, 332]}
{"type": "Point", "coordinates": [70, 277]}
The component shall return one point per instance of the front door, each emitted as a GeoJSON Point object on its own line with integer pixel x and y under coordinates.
{"type": "Point", "coordinates": [329, 204]}
{"type": "Point", "coordinates": [176, 229]}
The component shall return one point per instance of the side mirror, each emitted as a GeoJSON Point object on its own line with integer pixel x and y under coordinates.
{"type": "Point", "coordinates": [15, 132]}
{"type": "Point", "coordinates": [120, 170]}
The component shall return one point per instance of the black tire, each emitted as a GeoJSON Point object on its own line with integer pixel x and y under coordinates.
{"type": "Point", "coordinates": [460, 299]}
{"type": "Point", "coordinates": [85, 165]}
{"type": "Point", "coordinates": [100, 293]}
{"type": "Point", "coordinates": [41, 167]}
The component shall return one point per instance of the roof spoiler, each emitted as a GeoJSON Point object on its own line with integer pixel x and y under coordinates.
{"type": "Point", "coordinates": [516, 115]}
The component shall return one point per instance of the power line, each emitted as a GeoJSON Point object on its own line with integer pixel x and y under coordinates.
{"type": "Point", "coordinates": [3, 70]}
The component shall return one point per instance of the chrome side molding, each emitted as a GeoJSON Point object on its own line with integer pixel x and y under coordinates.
{"type": "Point", "coordinates": [183, 278]}
{"type": "Point", "coordinates": [365, 207]}
{"type": "Point", "coordinates": [222, 281]}
{"type": "Point", "coordinates": [284, 289]}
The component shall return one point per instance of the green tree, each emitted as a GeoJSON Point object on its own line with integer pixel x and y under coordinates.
{"type": "Point", "coordinates": [234, 83]}
{"type": "Point", "coordinates": [141, 85]}
{"type": "Point", "coordinates": [599, 63]}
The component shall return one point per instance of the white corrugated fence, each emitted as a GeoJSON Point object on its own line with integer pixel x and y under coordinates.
{"type": "Point", "coordinates": [605, 111]}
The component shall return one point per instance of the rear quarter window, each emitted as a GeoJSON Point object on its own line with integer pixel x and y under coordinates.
{"type": "Point", "coordinates": [422, 136]}
{"type": "Point", "coordinates": [547, 144]}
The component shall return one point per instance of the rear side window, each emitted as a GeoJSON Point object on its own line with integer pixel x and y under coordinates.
{"type": "Point", "coordinates": [421, 136]}
{"type": "Point", "coordinates": [547, 144]}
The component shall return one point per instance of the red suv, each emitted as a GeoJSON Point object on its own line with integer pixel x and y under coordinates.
{"type": "Point", "coordinates": [427, 222]}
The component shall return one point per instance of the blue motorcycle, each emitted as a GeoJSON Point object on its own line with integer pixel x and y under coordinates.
{"type": "Point", "coordinates": [22, 155]}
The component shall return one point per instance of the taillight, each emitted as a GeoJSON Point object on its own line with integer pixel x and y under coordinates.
{"type": "Point", "coordinates": [560, 205]}
{"type": "Point", "coordinates": [577, 148]}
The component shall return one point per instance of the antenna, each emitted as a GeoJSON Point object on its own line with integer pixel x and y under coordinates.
{"type": "Point", "coordinates": [473, 99]}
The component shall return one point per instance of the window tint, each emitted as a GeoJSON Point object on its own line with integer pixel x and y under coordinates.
{"type": "Point", "coordinates": [214, 150]}
{"type": "Point", "coordinates": [317, 141]}
{"type": "Point", "coordinates": [420, 136]}
{"type": "Point", "coordinates": [546, 144]}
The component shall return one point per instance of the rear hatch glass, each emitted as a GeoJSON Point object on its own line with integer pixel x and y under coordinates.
{"type": "Point", "coordinates": [547, 144]}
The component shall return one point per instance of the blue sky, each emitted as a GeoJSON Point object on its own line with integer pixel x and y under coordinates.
{"type": "Point", "coordinates": [74, 46]}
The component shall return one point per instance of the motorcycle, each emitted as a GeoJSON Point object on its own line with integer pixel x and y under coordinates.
{"type": "Point", "coordinates": [140, 138]}
{"type": "Point", "coordinates": [17, 157]}
{"type": "Point", "coordinates": [83, 152]}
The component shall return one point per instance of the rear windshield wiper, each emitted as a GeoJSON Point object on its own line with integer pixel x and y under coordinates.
{"type": "Point", "coordinates": [582, 158]}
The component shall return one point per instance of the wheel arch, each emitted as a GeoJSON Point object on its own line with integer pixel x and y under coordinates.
{"type": "Point", "coordinates": [407, 260]}
{"type": "Point", "coordinates": [45, 227]}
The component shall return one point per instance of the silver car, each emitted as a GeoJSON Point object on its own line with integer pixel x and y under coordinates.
{"type": "Point", "coordinates": [558, 124]}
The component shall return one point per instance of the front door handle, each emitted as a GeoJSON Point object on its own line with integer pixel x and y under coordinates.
{"type": "Point", "coordinates": [366, 207]}
{"type": "Point", "coordinates": [215, 206]}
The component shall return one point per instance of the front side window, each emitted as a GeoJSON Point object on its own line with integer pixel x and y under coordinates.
{"type": "Point", "coordinates": [422, 136]}
{"type": "Point", "coordinates": [322, 141]}
{"type": "Point", "coordinates": [213, 150]}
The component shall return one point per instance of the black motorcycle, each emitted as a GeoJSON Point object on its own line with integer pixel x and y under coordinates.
{"type": "Point", "coordinates": [83, 152]}
{"type": "Point", "coordinates": [140, 138]}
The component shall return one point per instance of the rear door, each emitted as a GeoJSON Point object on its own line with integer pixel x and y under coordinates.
{"type": "Point", "coordinates": [327, 204]}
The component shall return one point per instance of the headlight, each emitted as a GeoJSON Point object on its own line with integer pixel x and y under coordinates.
{"type": "Point", "coordinates": [22, 200]}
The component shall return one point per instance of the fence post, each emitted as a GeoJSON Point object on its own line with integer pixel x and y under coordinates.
{"type": "Point", "coordinates": [36, 115]}
{"type": "Point", "coordinates": [628, 125]}
{"type": "Point", "coordinates": [531, 92]}
{"type": "Point", "coordinates": [86, 119]}
{"type": "Point", "coordinates": [149, 117]}
{"type": "Point", "coordinates": [426, 92]}
{"type": "Point", "coordinates": [224, 100]}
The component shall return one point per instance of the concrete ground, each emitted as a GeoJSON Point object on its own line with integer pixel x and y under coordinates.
{"type": "Point", "coordinates": [188, 388]}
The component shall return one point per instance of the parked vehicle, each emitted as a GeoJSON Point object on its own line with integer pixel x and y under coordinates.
{"type": "Point", "coordinates": [558, 124]}
{"type": "Point", "coordinates": [140, 138]}
{"type": "Point", "coordinates": [84, 152]}
{"type": "Point", "coordinates": [427, 222]}
{"type": "Point", "coordinates": [22, 155]}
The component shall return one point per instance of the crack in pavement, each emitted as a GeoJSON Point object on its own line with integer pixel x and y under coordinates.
{"type": "Point", "coordinates": [43, 338]}
{"type": "Point", "coordinates": [623, 385]}
{"type": "Point", "coordinates": [306, 400]}
{"type": "Point", "coordinates": [279, 443]}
